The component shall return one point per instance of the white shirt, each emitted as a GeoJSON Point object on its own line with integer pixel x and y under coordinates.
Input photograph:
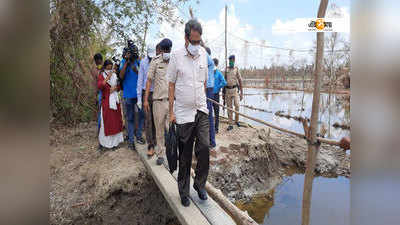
{"type": "Point", "coordinates": [142, 78]}
{"type": "Point", "coordinates": [189, 75]}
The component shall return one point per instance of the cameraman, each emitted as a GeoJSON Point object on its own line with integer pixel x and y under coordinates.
{"type": "Point", "coordinates": [129, 75]}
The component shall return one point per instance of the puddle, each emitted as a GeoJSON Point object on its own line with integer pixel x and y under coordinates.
{"type": "Point", "coordinates": [282, 205]}
{"type": "Point", "coordinates": [291, 102]}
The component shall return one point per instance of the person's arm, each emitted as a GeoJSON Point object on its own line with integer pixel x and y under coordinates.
{"type": "Point", "coordinates": [206, 75]}
{"type": "Point", "coordinates": [222, 78]}
{"type": "Point", "coordinates": [101, 82]}
{"type": "Point", "coordinates": [124, 65]}
{"type": "Point", "coordinates": [150, 77]}
{"type": "Point", "coordinates": [139, 86]}
{"type": "Point", "coordinates": [171, 99]}
{"type": "Point", "coordinates": [171, 76]}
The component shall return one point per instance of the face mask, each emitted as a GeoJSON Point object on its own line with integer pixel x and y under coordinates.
{"type": "Point", "coordinates": [231, 64]}
{"type": "Point", "coordinates": [165, 56]}
{"type": "Point", "coordinates": [193, 49]}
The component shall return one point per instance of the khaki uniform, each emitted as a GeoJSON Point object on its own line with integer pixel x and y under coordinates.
{"type": "Point", "coordinates": [231, 95]}
{"type": "Point", "coordinates": [157, 75]}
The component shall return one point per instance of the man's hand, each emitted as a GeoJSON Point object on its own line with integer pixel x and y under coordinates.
{"type": "Point", "coordinates": [108, 76]}
{"type": "Point", "coordinates": [113, 88]}
{"type": "Point", "coordinates": [345, 143]}
{"type": "Point", "coordinates": [172, 118]}
{"type": "Point", "coordinates": [127, 56]}
{"type": "Point", "coordinates": [146, 106]}
{"type": "Point", "coordinates": [241, 96]}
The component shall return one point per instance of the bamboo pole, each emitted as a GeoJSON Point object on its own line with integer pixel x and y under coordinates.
{"type": "Point", "coordinates": [313, 147]}
{"type": "Point", "coordinates": [240, 217]}
{"type": "Point", "coordinates": [322, 140]}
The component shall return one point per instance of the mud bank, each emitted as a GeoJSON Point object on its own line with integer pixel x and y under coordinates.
{"type": "Point", "coordinates": [87, 187]}
{"type": "Point", "coordinates": [252, 160]}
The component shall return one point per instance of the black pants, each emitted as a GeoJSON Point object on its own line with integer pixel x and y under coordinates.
{"type": "Point", "coordinates": [216, 111]}
{"type": "Point", "coordinates": [149, 126]}
{"type": "Point", "coordinates": [188, 133]}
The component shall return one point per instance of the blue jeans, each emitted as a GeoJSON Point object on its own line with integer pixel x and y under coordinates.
{"type": "Point", "coordinates": [210, 94]}
{"type": "Point", "coordinates": [130, 105]}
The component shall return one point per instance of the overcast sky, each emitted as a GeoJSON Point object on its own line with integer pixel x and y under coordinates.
{"type": "Point", "coordinates": [258, 21]}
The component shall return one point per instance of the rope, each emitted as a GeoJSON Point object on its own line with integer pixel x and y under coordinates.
{"type": "Point", "coordinates": [322, 140]}
{"type": "Point", "coordinates": [286, 49]}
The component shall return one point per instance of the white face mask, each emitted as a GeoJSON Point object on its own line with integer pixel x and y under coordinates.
{"type": "Point", "coordinates": [193, 49]}
{"type": "Point", "coordinates": [165, 56]}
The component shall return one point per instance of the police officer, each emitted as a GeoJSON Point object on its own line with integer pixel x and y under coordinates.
{"type": "Point", "coordinates": [157, 76]}
{"type": "Point", "coordinates": [234, 85]}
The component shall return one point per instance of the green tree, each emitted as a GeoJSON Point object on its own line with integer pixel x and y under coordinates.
{"type": "Point", "coordinates": [80, 28]}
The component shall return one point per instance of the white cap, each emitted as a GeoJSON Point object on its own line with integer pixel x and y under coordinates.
{"type": "Point", "coordinates": [151, 52]}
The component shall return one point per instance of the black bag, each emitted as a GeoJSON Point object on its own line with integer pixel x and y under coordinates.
{"type": "Point", "coordinates": [171, 145]}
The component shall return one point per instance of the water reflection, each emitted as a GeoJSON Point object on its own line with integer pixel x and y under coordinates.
{"type": "Point", "coordinates": [297, 103]}
{"type": "Point", "coordinates": [330, 202]}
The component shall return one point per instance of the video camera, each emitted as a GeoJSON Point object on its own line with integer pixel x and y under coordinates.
{"type": "Point", "coordinates": [132, 49]}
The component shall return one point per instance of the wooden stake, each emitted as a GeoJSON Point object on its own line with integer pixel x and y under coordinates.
{"type": "Point", "coordinates": [313, 147]}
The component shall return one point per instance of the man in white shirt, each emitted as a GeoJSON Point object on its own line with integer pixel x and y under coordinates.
{"type": "Point", "coordinates": [187, 75]}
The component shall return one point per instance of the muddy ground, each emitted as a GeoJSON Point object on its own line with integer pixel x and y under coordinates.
{"type": "Point", "coordinates": [87, 187]}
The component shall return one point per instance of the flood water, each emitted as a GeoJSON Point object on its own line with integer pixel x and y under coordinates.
{"type": "Point", "coordinates": [291, 102]}
{"type": "Point", "coordinates": [330, 202]}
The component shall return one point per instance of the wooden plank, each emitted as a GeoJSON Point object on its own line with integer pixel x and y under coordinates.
{"type": "Point", "coordinates": [165, 181]}
{"type": "Point", "coordinates": [210, 209]}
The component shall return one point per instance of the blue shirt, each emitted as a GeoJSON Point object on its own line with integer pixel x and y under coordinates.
{"type": "Point", "coordinates": [210, 79]}
{"type": "Point", "coordinates": [220, 81]}
{"type": "Point", "coordinates": [142, 79]}
{"type": "Point", "coordinates": [130, 80]}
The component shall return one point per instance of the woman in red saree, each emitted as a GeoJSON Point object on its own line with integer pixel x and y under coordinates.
{"type": "Point", "coordinates": [110, 135]}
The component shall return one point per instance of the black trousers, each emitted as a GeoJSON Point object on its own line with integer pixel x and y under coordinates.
{"type": "Point", "coordinates": [149, 126]}
{"type": "Point", "coordinates": [216, 111]}
{"type": "Point", "coordinates": [188, 134]}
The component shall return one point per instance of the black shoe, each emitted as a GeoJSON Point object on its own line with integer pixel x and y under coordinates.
{"type": "Point", "coordinates": [185, 201]}
{"type": "Point", "coordinates": [201, 192]}
{"type": "Point", "coordinates": [160, 161]}
{"type": "Point", "coordinates": [238, 124]}
{"type": "Point", "coordinates": [140, 140]}
{"type": "Point", "coordinates": [132, 147]}
{"type": "Point", "coordinates": [230, 127]}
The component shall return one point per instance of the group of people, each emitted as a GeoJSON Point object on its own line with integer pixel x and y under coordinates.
{"type": "Point", "coordinates": [164, 88]}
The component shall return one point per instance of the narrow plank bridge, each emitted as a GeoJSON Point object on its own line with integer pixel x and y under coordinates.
{"type": "Point", "coordinates": [199, 212]}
